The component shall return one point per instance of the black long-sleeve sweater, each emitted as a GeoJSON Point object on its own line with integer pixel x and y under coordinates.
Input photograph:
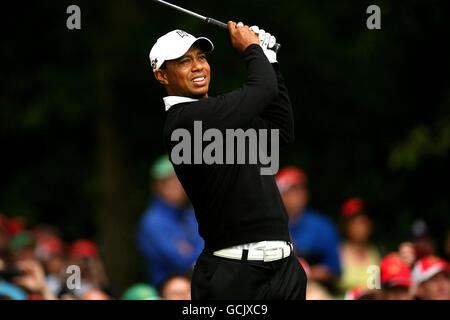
{"type": "Point", "coordinates": [234, 204]}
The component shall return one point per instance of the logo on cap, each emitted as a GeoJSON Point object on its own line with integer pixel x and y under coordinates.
{"type": "Point", "coordinates": [154, 62]}
{"type": "Point", "coordinates": [182, 33]}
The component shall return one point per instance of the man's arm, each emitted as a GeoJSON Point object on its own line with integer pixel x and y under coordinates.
{"type": "Point", "coordinates": [239, 107]}
{"type": "Point", "coordinates": [279, 114]}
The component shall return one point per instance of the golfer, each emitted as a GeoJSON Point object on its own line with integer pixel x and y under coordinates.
{"type": "Point", "coordinates": [241, 217]}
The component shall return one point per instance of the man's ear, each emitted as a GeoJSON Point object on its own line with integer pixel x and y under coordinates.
{"type": "Point", "coordinates": [161, 76]}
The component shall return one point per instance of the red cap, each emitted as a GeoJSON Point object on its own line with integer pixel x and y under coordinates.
{"type": "Point", "coordinates": [394, 271]}
{"type": "Point", "coordinates": [427, 267]}
{"type": "Point", "coordinates": [352, 206]}
{"type": "Point", "coordinates": [15, 225]}
{"type": "Point", "coordinates": [48, 247]}
{"type": "Point", "coordinates": [83, 249]}
{"type": "Point", "coordinates": [288, 177]}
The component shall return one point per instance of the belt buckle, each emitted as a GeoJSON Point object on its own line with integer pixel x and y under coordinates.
{"type": "Point", "coordinates": [266, 258]}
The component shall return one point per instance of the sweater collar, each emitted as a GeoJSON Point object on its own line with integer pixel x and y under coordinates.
{"type": "Point", "coordinates": [169, 101]}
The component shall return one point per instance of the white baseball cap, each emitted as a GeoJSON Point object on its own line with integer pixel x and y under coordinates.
{"type": "Point", "coordinates": [175, 44]}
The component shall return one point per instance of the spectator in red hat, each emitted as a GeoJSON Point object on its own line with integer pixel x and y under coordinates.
{"type": "Point", "coordinates": [356, 254]}
{"type": "Point", "coordinates": [83, 249]}
{"type": "Point", "coordinates": [50, 250]}
{"type": "Point", "coordinates": [314, 236]}
{"type": "Point", "coordinates": [395, 278]}
{"type": "Point", "coordinates": [431, 279]}
{"type": "Point", "coordinates": [85, 254]}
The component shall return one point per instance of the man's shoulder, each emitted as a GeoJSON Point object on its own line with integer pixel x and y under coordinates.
{"type": "Point", "coordinates": [183, 114]}
{"type": "Point", "coordinates": [180, 115]}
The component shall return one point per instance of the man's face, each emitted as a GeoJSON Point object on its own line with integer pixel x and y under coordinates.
{"type": "Point", "coordinates": [358, 228]}
{"type": "Point", "coordinates": [171, 190]}
{"type": "Point", "coordinates": [295, 199]}
{"type": "Point", "coordinates": [187, 76]}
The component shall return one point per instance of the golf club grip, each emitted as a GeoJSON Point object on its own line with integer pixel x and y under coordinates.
{"type": "Point", "coordinates": [222, 25]}
{"type": "Point", "coordinates": [276, 47]}
{"type": "Point", "coordinates": [216, 23]}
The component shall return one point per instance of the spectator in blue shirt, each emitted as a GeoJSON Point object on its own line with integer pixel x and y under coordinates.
{"type": "Point", "coordinates": [167, 234]}
{"type": "Point", "coordinates": [315, 237]}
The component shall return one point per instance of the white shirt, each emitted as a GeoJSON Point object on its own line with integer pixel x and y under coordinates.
{"type": "Point", "coordinates": [173, 100]}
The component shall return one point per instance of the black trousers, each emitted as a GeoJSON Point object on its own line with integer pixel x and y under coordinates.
{"type": "Point", "coordinates": [217, 278]}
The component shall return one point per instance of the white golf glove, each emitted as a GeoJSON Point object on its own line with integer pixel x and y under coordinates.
{"type": "Point", "coordinates": [266, 41]}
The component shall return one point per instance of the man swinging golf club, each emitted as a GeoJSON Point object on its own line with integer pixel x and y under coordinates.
{"type": "Point", "coordinates": [241, 217]}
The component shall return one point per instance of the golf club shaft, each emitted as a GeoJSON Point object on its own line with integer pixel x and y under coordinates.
{"type": "Point", "coordinates": [208, 20]}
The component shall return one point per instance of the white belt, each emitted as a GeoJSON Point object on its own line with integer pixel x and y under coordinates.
{"type": "Point", "coordinates": [262, 251]}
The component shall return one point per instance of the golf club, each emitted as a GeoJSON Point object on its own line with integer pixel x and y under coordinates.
{"type": "Point", "coordinates": [212, 21]}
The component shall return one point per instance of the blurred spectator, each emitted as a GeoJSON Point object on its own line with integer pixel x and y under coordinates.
{"type": "Point", "coordinates": [316, 291]}
{"type": "Point", "coordinates": [8, 291]}
{"type": "Point", "coordinates": [66, 294]}
{"type": "Point", "coordinates": [315, 237]}
{"type": "Point", "coordinates": [431, 279]}
{"type": "Point", "coordinates": [167, 233]}
{"type": "Point", "coordinates": [94, 294]}
{"type": "Point", "coordinates": [32, 279]}
{"type": "Point", "coordinates": [407, 252]}
{"type": "Point", "coordinates": [140, 291]}
{"type": "Point", "coordinates": [356, 254]}
{"type": "Point", "coordinates": [22, 246]}
{"type": "Point", "coordinates": [33, 264]}
{"type": "Point", "coordinates": [419, 245]}
{"type": "Point", "coordinates": [395, 278]}
{"type": "Point", "coordinates": [360, 293]}
{"type": "Point", "coordinates": [50, 252]}
{"type": "Point", "coordinates": [176, 287]}
{"type": "Point", "coordinates": [84, 254]}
